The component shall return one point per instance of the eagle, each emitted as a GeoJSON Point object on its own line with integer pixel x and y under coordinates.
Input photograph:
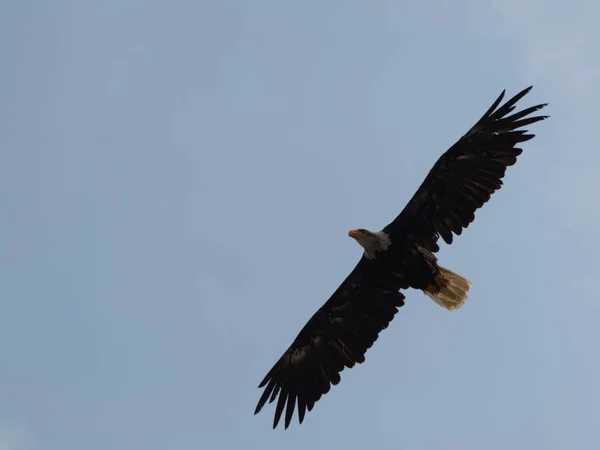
{"type": "Point", "coordinates": [400, 256]}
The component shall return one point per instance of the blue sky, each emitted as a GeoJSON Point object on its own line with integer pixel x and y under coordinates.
{"type": "Point", "coordinates": [178, 179]}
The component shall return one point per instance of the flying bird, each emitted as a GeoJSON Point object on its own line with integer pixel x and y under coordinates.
{"type": "Point", "coordinates": [400, 256]}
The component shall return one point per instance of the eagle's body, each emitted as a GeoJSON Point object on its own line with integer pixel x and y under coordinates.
{"type": "Point", "coordinates": [385, 258]}
{"type": "Point", "coordinates": [400, 256]}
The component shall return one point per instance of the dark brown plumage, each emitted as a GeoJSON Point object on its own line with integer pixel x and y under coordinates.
{"type": "Point", "coordinates": [339, 334]}
{"type": "Point", "coordinates": [465, 177]}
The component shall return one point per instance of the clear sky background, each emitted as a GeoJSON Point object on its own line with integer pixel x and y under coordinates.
{"type": "Point", "coordinates": [177, 183]}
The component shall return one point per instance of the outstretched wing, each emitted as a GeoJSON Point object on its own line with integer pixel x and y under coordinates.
{"type": "Point", "coordinates": [337, 336]}
{"type": "Point", "coordinates": [465, 177]}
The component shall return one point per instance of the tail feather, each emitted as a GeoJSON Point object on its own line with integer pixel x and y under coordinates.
{"type": "Point", "coordinates": [449, 290]}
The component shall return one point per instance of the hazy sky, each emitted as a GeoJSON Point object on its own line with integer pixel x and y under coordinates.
{"type": "Point", "coordinates": [177, 183]}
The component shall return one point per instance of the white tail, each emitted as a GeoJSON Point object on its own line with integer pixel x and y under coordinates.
{"type": "Point", "coordinates": [450, 290]}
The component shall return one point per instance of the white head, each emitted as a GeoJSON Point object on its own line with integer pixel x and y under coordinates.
{"type": "Point", "coordinates": [371, 241]}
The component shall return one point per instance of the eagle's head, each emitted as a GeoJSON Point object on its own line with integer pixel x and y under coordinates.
{"type": "Point", "coordinates": [371, 241]}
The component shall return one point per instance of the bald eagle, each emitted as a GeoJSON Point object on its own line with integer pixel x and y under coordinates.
{"type": "Point", "coordinates": [400, 256]}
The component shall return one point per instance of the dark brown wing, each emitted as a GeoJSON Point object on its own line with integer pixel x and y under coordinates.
{"type": "Point", "coordinates": [465, 177]}
{"type": "Point", "coordinates": [337, 336]}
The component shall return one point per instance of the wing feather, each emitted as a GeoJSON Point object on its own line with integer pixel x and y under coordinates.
{"type": "Point", "coordinates": [336, 337]}
{"type": "Point", "coordinates": [465, 177]}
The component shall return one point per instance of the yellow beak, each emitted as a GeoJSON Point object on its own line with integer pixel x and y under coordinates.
{"type": "Point", "coordinates": [354, 234]}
